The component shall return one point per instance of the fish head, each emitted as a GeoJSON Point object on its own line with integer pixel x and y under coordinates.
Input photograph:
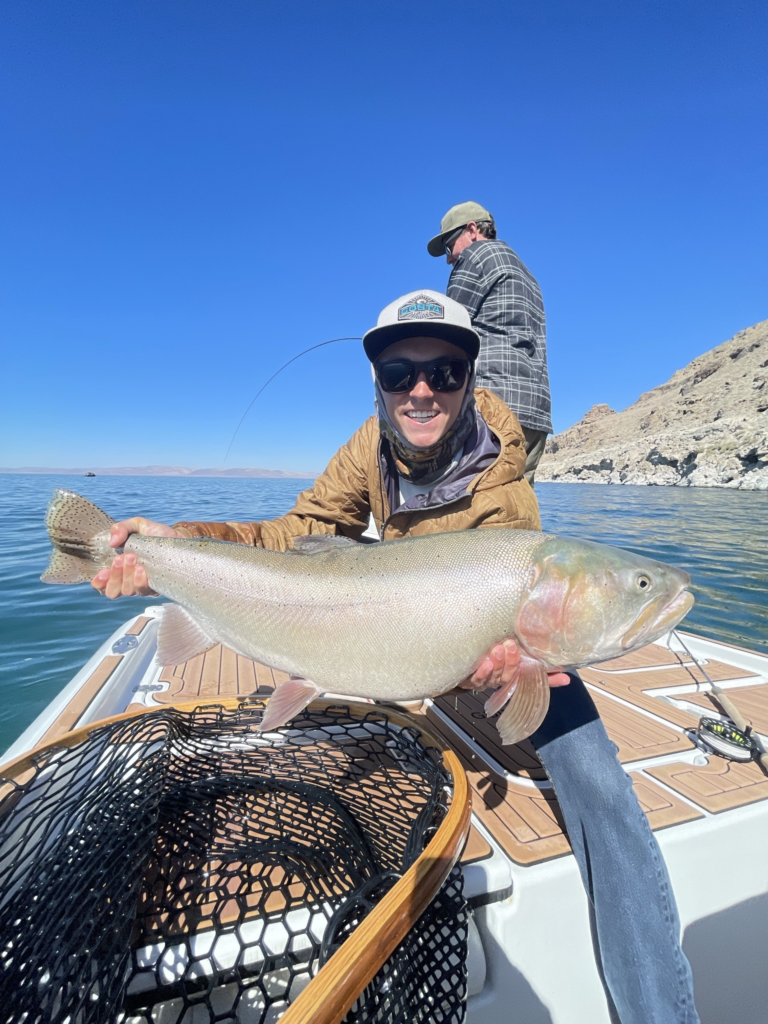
{"type": "Point", "coordinates": [590, 602]}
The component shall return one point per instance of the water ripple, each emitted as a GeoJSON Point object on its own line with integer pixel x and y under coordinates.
{"type": "Point", "coordinates": [48, 632]}
{"type": "Point", "coordinates": [720, 537]}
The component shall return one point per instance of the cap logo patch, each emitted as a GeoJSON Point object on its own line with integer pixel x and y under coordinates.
{"type": "Point", "coordinates": [421, 307]}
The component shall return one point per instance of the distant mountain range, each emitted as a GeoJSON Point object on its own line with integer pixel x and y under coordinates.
{"type": "Point", "coordinates": [706, 427]}
{"type": "Point", "coordinates": [278, 474]}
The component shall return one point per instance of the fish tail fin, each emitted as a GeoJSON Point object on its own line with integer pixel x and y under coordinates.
{"type": "Point", "coordinates": [528, 702]}
{"type": "Point", "coordinates": [79, 532]}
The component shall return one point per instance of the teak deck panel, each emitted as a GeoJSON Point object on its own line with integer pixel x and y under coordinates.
{"type": "Point", "coordinates": [719, 785]}
{"type": "Point", "coordinates": [477, 847]}
{"type": "Point", "coordinates": [71, 714]}
{"type": "Point", "coordinates": [217, 673]}
{"type": "Point", "coordinates": [751, 701]}
{"type": "Point", "coordinates": [662, 668]}
{"type": "Point", "coordinates": [652, 658]}
{"type": "Point", "coordinates": [82, 699]}
{"type": "Point", "coordinates": [523, 820]}
{"type": "Point", "coordinates": [138, 625]}
{"type": "Point", "coordinates": [638, 688]}
{"type": "Point", "coordinates": [526, 822]}
{"type": "Point", "coordinates": [636, 736]}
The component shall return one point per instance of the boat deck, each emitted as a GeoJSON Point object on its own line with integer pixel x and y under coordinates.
{"type": "Point", "coordinates": [217, 673]}
{"type": "Point", "coordinates": [650, 702]}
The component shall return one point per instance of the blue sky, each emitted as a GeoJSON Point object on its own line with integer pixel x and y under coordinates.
{"type": "Point", "coordinates": [195, 191]}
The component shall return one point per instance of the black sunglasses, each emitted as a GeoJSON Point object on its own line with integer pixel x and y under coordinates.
{"type": "Point", "coordinates": [396, 376]}
{"type": "Point", "coordinates": [451, 240]}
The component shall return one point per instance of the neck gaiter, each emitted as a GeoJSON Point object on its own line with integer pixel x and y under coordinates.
{"type": "Point", "coordinates": [417, 464]}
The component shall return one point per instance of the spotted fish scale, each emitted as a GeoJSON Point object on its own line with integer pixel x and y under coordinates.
{"type": "Point", "coordinates": [396, 621]}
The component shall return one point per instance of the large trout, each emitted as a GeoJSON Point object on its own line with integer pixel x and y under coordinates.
{"type": "Point", "coordinates": [400, 620]}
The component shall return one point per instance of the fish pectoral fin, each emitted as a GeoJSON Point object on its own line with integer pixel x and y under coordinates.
{"type": "Point", "coordinates": [287, 701]}
{"type": "Point", "coordinates": [528, 698]}
{"type": "Point", "coordinates": [499, 698]}
{"type": "Point", "coordinates": [179, 636]}
{"type": "Point", "coordinates": [312, 544]}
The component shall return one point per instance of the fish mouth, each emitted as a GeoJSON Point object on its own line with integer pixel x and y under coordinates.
{"type": "Point", "coordinates": [654, 621]}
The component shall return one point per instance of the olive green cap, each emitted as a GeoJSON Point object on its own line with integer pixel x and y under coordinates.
{"type": "Point", "coordinates": [456, 217]}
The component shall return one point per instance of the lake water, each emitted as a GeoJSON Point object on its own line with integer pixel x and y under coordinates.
{"type": "Point", "coordinates": [48, 632]}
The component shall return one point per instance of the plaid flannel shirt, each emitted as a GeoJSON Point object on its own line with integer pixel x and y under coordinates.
{"type": "Point", "coordinates": [504, 302]}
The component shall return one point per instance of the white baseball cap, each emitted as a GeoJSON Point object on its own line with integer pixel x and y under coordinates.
{"type": "Point", "coordinates": [422, 314]}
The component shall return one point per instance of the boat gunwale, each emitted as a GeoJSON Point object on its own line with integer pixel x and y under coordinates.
{"type": "Point", "coordinates": [357, 709]}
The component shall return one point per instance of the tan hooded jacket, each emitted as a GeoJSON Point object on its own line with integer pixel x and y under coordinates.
{"type": "Point", "coordinates": [352, 487]}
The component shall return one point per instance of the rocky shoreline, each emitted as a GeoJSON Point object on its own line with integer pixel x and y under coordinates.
{"type": "Point", "coordinates": [706, 427]}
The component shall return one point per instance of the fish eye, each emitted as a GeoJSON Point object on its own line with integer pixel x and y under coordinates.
{"type": "Point", "coordinates": [643, 581]}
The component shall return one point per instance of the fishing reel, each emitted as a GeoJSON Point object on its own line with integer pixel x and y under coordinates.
{"type": "Point", "coordinates": [725, 740]}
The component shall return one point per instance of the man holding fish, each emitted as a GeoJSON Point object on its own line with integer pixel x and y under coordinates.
{"type": "Point", "coordinates": [439, 457]}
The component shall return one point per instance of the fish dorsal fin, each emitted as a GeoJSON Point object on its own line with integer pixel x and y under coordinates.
{"type": "Point", "coordinates": [207, 540]}
{"type": "Point", "coordinates": [179, 636]}
{"type": "Point", "coordinates": [314, 543]}
{"type": "Point", "coordinates": [527, 700]}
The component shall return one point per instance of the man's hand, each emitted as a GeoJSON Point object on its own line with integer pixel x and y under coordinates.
{"type": "Point", "coordinates": [126, 577]}
{"type": "Point", "coordinates": [498, 668]}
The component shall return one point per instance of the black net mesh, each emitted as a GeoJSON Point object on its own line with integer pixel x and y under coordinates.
{"type": "Point", "coordinates": [178, 868]}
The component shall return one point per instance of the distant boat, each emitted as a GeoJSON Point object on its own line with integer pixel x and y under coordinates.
{"type": "Point", "coordinates": [90, 474]}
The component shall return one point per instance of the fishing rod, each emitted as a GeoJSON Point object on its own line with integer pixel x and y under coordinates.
{"type": "Point", "coordinates": [739, 743]}
{"type": "Point", "coordinates": [293, 360]}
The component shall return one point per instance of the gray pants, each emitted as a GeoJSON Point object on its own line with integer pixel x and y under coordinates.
{"type": "Point", "coordinates": [534, 447]}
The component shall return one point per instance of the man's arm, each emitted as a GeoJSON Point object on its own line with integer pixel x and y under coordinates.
{"type": "Point", "coordinates": [466, 285]}
{"type": "Point", "coordinates": [501, 296]}
{"type": "Point", "coordinates": [337, 503]}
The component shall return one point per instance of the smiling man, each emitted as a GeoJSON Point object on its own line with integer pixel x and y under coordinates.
{"type": "Point", "coordinates": [441, 455]}
{"type": "Point", "coordinates": [438, 455]}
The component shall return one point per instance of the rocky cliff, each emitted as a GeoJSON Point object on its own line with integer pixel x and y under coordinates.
{"type": "Point", "coordinates": [706, 427]}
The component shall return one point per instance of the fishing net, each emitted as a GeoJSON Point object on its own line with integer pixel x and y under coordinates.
{"type": "Point", "coordinates": [179, 868]}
